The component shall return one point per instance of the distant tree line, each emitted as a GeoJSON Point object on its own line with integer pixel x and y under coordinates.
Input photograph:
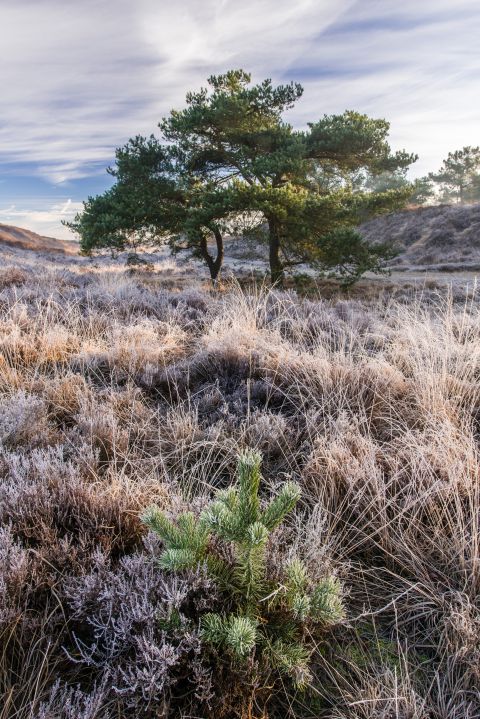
{"type": "Point", "coordinates": [458, 179]}
{"type": "Point", "coordinates": [456, 182]}
{"type": "Point", "coordinates": [230, 164]}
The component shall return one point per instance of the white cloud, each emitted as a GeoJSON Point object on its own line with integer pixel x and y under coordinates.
{"type": "Point", "coordinates": [415, 64]}
{"type": "Point", "coordinates": [45, 221]}
{"type": "Point", "coordinates": [78, 79]}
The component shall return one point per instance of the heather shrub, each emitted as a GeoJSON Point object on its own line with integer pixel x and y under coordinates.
{"type": "Point", "coordinates": [132, 628]}
{"type": "Point", "coordinates": [12, 276]}
{"type": "Point", "coordinates": [15, 568]}
{"type": "Point", "coordinates": [24, 421]}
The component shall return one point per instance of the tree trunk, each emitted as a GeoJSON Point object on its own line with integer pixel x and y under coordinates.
{"type": "Point", "coordinates": [214, 264]}
{"type": "Point", "coordinates": [218, 262]}
{"type": "Point", "coordinates": [276, 266]}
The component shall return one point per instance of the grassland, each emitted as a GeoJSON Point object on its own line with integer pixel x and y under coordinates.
{"type": "Point", "coordinates": [119, 390]}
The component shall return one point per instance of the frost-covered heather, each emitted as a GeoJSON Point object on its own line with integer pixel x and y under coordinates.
{"type": "Point", "coordinates": [118, 391]}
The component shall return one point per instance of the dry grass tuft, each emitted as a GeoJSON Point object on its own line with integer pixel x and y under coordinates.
{"type": "Point", "coordinates": [117, 393]}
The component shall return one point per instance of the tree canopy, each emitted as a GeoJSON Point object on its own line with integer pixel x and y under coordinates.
{"type": "Point", "coordinates": [231, 153]}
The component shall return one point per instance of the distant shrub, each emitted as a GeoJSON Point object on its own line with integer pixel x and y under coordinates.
{"type": "Point", "coordinates": [12, 276]}
{"type": "Point", "coordinates": [134, 261]}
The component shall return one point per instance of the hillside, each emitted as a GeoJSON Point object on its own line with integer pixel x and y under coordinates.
{"type": "Point", "coordinates": [18, 237]}
{"type": "Point", "coordinates": [443, 237]}
{"type": "Point", "coordinates": [446, 236]}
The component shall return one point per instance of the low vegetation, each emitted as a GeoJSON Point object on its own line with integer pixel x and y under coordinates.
{"type": "Point", "coordinates": [342, 582]}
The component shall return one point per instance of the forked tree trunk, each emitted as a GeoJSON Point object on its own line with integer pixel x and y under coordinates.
{"type": "Point", "coordinates": [276, 265]}
{"type": "Point", "coordinates": [214, 264]}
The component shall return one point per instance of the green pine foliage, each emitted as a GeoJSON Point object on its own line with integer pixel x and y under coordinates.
{"type": "Point", "coordinates": [230, 158]}
{"type": "Point", "coordinates": [271, 617]}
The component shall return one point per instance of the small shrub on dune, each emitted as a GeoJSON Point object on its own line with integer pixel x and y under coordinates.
{"type": "Point", "coordinates": [61, 509]}
{"type": "Point", "coordinates": [65, 396]}
{"type": "Point", "coordinates": [15, 569]}
{"type": "Point", "coordinates": [132, 631]}
{"type": "Point", "coordinates": [12, 276]}
{"type": "Point", "coordinates": [24, 422]}
{"type": "Point", "coordinates": [270, 433]}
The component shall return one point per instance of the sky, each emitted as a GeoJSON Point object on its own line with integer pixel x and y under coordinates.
{"type": "Point", "coordinates": [79, 77]}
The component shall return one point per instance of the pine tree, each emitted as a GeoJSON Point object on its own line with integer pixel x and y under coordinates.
{"type": "Point", "coordinates": [458, 179]}
{"type": "Point", "coordinates": [230, 154]}
{"type": "Point", "coordinates": [274, 622]}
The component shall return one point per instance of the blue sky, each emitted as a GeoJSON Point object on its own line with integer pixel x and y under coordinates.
{"type": "Point", "coordinates": [79, 78]}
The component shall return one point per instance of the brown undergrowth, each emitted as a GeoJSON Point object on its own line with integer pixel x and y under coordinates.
{"type": "Point", "coordinates": [118, 395]}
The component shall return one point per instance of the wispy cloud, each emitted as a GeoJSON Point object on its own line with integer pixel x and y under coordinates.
{"type": "Point", "coordinates": [78, 79]}
{"type": "Point", "coordinates": [415, 64]}
{"type": "Point", "coordinates": [46, 221]}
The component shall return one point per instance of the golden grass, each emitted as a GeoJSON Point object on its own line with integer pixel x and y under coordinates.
{"type": "Point", "coordinates": [120, 393]}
